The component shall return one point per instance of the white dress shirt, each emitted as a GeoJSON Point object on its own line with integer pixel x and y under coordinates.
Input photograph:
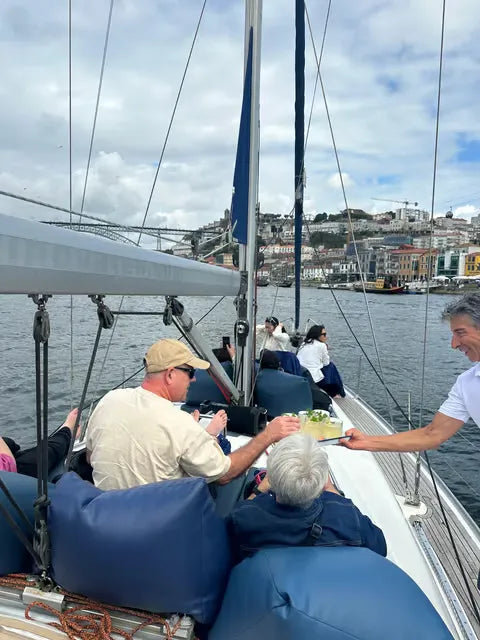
{"type": "Point", "coordinates": [314, 356]}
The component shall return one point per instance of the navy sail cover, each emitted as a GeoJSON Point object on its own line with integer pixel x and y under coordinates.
{"type": "Point", "coordinates": [239, 208]}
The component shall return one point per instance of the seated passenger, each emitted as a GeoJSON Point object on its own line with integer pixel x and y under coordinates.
{"type": "Point", "coordinates": [138, 436]}
{"type": "Point", "coordinates": [314, 356]}
{"type": "Point", "coordinates": [297, 505]}
{"type": "Point", "coordinates": [24, 461]}
{"type": "Point", "coordinates": [273, 335]}
{"type": "Point", "coordinates": [269, 360]}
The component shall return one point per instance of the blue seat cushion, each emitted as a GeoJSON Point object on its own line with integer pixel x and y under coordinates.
{"type": "Point", "coordinates": [205, 388]}
{"type": "Point", "coordinates": [14, 558]}
{"type": "Point", "coordinates": [340, 593]}
{"type": "Point", "coordinates": [280, 392]}
{"type": "Point", "coordinates": [157, 547]}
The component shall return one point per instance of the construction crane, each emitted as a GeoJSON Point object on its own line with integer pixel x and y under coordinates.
{"type": "Point", "coordinates": [404, 202]}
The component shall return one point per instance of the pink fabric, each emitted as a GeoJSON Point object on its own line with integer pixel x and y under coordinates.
{"type": "Point", "coordinates": [7, 463]}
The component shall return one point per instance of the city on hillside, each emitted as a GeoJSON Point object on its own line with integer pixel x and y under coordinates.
{"type": "Point", "coordinates": [395, 244]}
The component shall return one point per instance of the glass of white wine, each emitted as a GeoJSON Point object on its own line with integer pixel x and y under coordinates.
{"type": "Point", "coordinates": [332, 428]}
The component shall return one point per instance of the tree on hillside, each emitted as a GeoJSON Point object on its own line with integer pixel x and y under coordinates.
{"type": "Point", "coordinates": [320, 217]}
{"type": "Point", "coordinates": [355, 214]}
{"type": "Point", "coordinates": [328, 240]}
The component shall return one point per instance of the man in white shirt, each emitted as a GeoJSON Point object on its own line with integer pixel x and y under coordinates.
{"type": "Point", "coordinates": [463, 401]}
{"type": "Point", "coordinates": [138, 436]}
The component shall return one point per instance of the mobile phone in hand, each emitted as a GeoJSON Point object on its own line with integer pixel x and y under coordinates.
{"type": "Point", "coordinates": [225, 341]}
{"type": "Point", "coordinates": [327, 441]}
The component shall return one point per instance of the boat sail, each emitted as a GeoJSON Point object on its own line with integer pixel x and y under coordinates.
{"type": "Point", "coordinates": [65, 262]}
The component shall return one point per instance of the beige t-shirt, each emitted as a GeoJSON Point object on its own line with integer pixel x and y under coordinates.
{"type": "Point", "coordinates": [136, 437]}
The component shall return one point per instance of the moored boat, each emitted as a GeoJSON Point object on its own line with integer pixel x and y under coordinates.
{"type": "Point", "coordinates": [381, 285]}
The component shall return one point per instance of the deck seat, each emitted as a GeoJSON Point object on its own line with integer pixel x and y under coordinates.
{"type": "Point", "coordinates": [204, 388]}
{"type": "Point", "coordinates": [280, 392]}
{"type": "Point", "coordinates": [340, 593]}
{"type": "Point", "coordinates": [158, 547]}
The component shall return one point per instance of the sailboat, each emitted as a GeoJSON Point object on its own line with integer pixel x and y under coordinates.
{"type": "Point", "coordinates": [282, 593]}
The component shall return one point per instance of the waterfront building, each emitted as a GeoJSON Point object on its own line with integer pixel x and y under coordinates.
{"type": "Point", "coordinates": [472, 264]}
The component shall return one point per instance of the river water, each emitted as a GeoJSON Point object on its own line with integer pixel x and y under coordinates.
{"type": "Point", "coordinates": [399, 328]}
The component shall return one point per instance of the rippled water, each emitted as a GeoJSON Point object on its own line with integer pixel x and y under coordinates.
{"type": "Point", "coordinates": [399, 327]}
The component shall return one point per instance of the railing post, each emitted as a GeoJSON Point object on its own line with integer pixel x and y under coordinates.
{"type": "Point", "coordinates": [359, 375]}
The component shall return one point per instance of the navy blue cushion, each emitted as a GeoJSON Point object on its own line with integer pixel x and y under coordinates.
{"type": "Point", "coordinates": [158, 547]}
{"type": "Point", "coordinates": [280, 392]}
{"type": "Point", "coordinates": [205, 388]}
{"type": "Point", "coordinates": [340, 593]}
{"type": "Point", "coordinates": [14, 558]}
{"type": "Point", "coordinates": [289, 362]}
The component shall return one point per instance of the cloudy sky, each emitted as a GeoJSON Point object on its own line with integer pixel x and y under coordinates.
{"type": "Point", "coordinates": [380, 71]}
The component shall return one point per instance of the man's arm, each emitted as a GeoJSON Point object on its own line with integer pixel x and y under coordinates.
{"type": "Point", "coordinates": [243, 458]}
{"type": "Point", "coordinates": [441, 428]}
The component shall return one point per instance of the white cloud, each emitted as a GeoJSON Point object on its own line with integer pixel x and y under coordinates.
{"type": "Point", "coordinates": [466, 211]}
{"type": "Point", "coordinates": [335, 183]}
{"type": "Point", "coordinates": [380, 82]}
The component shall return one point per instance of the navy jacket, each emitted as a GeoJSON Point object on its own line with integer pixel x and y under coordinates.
{"type": "Point", "coordinates": [330, 521]}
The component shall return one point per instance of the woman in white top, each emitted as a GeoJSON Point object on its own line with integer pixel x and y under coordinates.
{"type": "Point", "coordinates": [273, 335]}
{"type": "Point", "coordinates": [313, 354]}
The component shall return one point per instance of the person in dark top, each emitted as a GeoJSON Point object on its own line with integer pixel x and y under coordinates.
{"type": "Point", "coordinates": [297, 505]}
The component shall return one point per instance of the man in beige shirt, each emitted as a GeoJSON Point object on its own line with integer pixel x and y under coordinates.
{"type": "Point", "coordinates": [138, 436]}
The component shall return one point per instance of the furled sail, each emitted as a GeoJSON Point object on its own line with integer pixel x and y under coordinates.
{"type": "Point", "coordinates": [239, 208]}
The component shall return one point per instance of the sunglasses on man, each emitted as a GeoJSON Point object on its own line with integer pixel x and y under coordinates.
{"type": "Point", "coordinates": [189, 370]}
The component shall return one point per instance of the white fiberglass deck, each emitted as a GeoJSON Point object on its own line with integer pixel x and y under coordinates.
{"type": "Point", "coordinates": [466, 534]}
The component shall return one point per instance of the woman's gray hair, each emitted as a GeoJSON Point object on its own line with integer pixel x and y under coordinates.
{"type": "Point", "coordinates": [468, 305]}
{"type": "Point", "coordinates": [297, 469]}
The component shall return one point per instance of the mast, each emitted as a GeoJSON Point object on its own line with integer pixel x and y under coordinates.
{"type": "Point", "coordinates": [254, 15]}
{"type": "Point", "coordinates": [299, 144]}
{"type": "Point", "coordinates": [245, 194]}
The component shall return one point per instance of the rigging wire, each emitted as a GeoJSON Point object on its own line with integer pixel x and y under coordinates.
{"type": "Point", "coordinates": [322, 46]}
{"type": "Point", "coordinates": [70, 190]}
{"type": "Point", "coordinates": [473, 491]}
{"type": "Point", "coordinates": [92, 138]}
{"type": "Point", "coordinates": [99, 91]}
{"type": "Point", "coordinates": [317, 76]}
{"type": "Point", "coordinates": [430, 244]}
{"type": "Point", "coordinates": [155, 179]}
{"type": "Point", "coordinates": [262, 350]}
{"type": "Point", "coordinates": [48, 205]}
{"type": "Point", "coordinates": [337, 160]}
{"type": "Point", "coordinates": [435, 161]}
{"type": "Point", "coordinates": [172, 117]}
{"type": "Point", "coordinates": [380, 376]}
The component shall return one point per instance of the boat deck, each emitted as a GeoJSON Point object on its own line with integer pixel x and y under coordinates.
{"type": "Point", "coordinates": [464, 531]}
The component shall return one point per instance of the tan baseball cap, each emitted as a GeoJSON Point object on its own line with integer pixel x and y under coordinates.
{"type": "Point", "coordinates": [168, 353]}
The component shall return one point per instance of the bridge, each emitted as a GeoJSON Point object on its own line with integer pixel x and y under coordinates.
{"type": "Point", "coordinates": [120, 232]}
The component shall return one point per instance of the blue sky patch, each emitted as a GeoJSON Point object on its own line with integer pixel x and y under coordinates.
{"type": "Point", "coordinates": [392, 85]}
{"type": "Point", "coordinates": [468, 150]}
{"type": "Point", "coordinates": [387, 179]}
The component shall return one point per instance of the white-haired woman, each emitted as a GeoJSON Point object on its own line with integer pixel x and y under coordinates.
{"type": "Point", "coordinates": [297, 505]}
